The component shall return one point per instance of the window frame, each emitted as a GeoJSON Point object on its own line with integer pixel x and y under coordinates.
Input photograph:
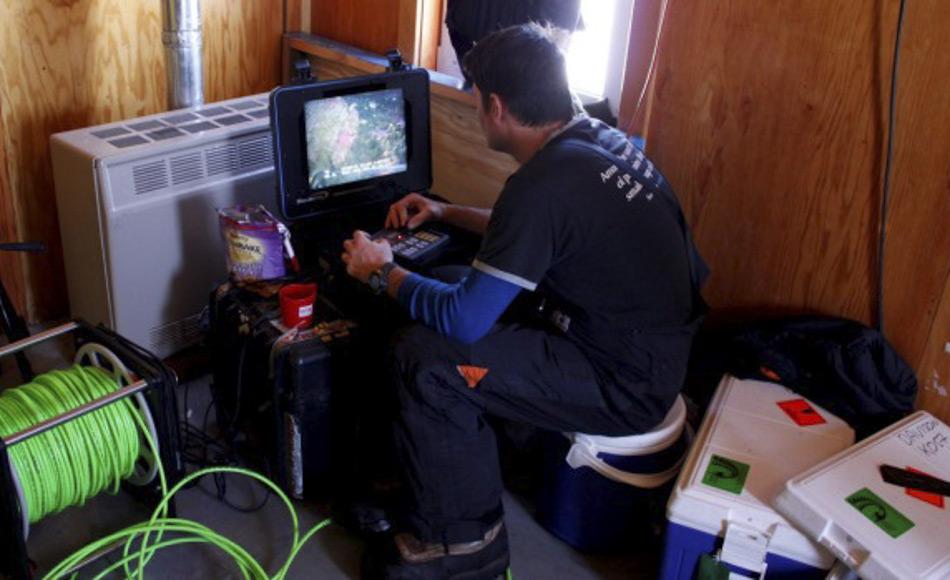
{"type": "Point", "coordinates": [616, 54]}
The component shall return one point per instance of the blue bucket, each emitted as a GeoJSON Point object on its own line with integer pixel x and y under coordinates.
{"type": "Point", "coordinates": [602, 494]}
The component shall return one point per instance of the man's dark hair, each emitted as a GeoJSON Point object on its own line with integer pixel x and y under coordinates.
{"type": "Point", "coordinates": [522, 65]}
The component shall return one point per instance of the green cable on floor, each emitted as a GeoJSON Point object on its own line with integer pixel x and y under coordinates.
{"type": "Point", "coordinates": [75, 461]}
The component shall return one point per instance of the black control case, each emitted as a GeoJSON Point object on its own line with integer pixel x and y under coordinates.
{"type": "Point", "coordinates": [289, 401]}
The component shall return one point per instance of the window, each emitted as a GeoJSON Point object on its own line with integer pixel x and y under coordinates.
{"type": "Point", "coordinates": [596, 55]}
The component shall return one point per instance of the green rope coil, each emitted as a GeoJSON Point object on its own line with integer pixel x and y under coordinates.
{"type": "Point", "coordinates": [81, 458]}
{"type": "Point", "coordinates": [75, 461]}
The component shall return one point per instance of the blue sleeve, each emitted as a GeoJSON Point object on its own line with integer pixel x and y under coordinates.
{"type": "Point", "coordinates": [464, 311]}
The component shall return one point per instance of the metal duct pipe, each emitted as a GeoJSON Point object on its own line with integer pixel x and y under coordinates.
{"type": "Point", "coordinates": [181, 35]}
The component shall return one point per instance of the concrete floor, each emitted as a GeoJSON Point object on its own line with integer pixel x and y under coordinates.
{"type": "Point", "coordinates": [332, 554]}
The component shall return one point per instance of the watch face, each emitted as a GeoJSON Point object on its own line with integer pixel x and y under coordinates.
{"type": "Point", "coordinates": [374, 281]}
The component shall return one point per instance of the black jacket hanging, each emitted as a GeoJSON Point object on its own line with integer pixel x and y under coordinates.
{"type": "Point", "coordinates": [469, 21]}
{"type": "Point", "coordinates": [842, 365]}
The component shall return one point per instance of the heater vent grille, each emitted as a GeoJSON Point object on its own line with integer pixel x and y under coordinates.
{"type": "Point", "coordinates": [222, 159]}
{"type": "Point", "coordinates": [256, 153]}
{"type": "Point", "coordinates": [149, 177]}
{"type": "Point", "coordinates": [186, 168]}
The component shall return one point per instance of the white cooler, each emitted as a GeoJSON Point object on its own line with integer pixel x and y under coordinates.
{"type": "Point", "coordinates": [755, 436]}
{"type": "Point", "coordinates": [879, 529]}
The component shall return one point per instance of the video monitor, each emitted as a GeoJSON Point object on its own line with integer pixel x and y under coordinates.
{"type": "Point", "coordinates": [355, 137]}
{"type": "Point", "coordinates": [350, 142]}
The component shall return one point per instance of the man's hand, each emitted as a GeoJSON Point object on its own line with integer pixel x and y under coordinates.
{"type": "Point", "coordinates": [412, 211]}
{"type": "Point", "coordinates": [363, 256]}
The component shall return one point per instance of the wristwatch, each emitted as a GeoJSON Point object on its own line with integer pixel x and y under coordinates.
{"type": "Point", "coordinates": [379, 280]}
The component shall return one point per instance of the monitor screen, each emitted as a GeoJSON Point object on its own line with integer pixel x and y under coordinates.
{"type": "Point", "coordinates": [349, 142]}
{"type": "Point", "coordinates": [355, 137]}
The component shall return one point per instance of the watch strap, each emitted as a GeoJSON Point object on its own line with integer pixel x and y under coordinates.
{"type": "Point", "coordinates": [383, 277]}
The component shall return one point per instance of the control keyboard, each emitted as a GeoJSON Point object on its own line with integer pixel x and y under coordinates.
{"type": "Point", "coordinates": [413, 245]}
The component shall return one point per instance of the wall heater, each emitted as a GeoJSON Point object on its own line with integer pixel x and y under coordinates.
{"type": "Point", "coordinates": [137, 207]}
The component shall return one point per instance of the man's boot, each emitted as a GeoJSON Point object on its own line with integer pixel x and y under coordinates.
{"type": "Point", "coordinates": [405, 557]}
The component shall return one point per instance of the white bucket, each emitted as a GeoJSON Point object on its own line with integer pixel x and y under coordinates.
{"type": "Point", "coordinates": [587, 450]}
{"type": "Point", "coordinates": [608, 506]}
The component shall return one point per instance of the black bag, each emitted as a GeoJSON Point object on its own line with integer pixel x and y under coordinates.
{"type": "Point", "coordinates": [842, 365]}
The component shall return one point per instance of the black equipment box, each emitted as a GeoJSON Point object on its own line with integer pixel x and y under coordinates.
{"type": "Point", "coordinates": [278, 388]}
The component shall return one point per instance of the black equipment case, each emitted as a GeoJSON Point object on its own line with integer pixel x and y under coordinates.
{"type": "Point", "coordinates": [277, 389]}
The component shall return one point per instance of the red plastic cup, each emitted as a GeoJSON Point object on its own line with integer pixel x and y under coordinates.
{"type": "Point", "coordinates": [296, 304]}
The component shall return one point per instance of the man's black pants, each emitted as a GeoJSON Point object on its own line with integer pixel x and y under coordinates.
{"type": "Point", "coordinates": [446, 390]}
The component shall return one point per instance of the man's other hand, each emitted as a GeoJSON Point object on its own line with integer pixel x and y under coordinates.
{"type": "Point", "coordinates": [412, 211]}
{"type": "Point", "coordinates": [363, 256]}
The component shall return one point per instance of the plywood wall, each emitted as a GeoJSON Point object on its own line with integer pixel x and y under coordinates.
{"type": "Point", "coordinates": [11, 269]}
{"type": "Point", "coordinates": [934, 367]}
{"type": "Point", "coordinates": [917, 282]}
{"type": "Point", "coordinates": [769, 119]}
{"type": "Point", "coordinates": [635, 100]}
{"type": "Point", "coordinates": [368, 24]}
{"type": "Point", "coordinates": [73, 64]}
{"type": "Point", "coordinates": [241, 46]}
{"type": "Point", "coordinates": [464, 169]}
{"type": "Point", "coordinates": [377, 26]}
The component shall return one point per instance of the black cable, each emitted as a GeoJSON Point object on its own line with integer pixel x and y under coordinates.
{"type": "Point", "coordinates": [203, 450]}
{"type": "Point", "coordinates": [186, 441]}
{"type": "Point", "coordinates": [885, 197]}
{"type": "Point", "coordinates": [206, 451]}
{"type": "Point", "coordinates": [238, 388]}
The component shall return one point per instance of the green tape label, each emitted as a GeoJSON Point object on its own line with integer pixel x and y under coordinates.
{"type": "Point", "coordinates": [882, 514]}
{"type": "Point", "coordinates": [726, 474]}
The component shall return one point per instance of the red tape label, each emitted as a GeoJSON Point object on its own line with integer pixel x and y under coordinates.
{"type": "Point", "coordinates": [801, 412]}
{"type": "Point", "coordinates": [933, 499]}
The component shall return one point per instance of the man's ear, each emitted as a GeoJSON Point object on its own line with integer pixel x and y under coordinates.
{"type": "Point", "coordinates": [496, 107]}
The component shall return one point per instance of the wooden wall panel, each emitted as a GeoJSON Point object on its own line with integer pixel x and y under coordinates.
{"type": "Point", "coordinates": [73, 64]}
{"type": "Point", "coordinates": [772, 147]}
{"type": "Point", "coordinates": [465, 170]}
{"type": "Point", "coordinates": [643, 30]}
{"type": "Point", "coordinates": [934, 367]}
{"type": "Point", "coordinates": [918, 247]}
{"type": "Point", "coordinates": [419, 26]}
{"type": "Point", "coordinates": [372, 25]}
{"type": "Point", "coordinates": [429, 33]}
{"type": "Point", "coordinates": [297, 16]}
{"type": "Point", "coordinates": [770, 118]}
{"type": "Point", "coordinates": [242, 48]}
{"type": "Point", "coordinates": [11, 264]}
{"type": "Point", "coordinates": [408, 27]}
{"type": "Point", "coordinates": [67, 65]}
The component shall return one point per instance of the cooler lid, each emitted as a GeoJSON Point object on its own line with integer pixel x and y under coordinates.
{"type": "Point", "coordinates": [879, 529]}
{"type": "Point", "coordinates": [755, 436]}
